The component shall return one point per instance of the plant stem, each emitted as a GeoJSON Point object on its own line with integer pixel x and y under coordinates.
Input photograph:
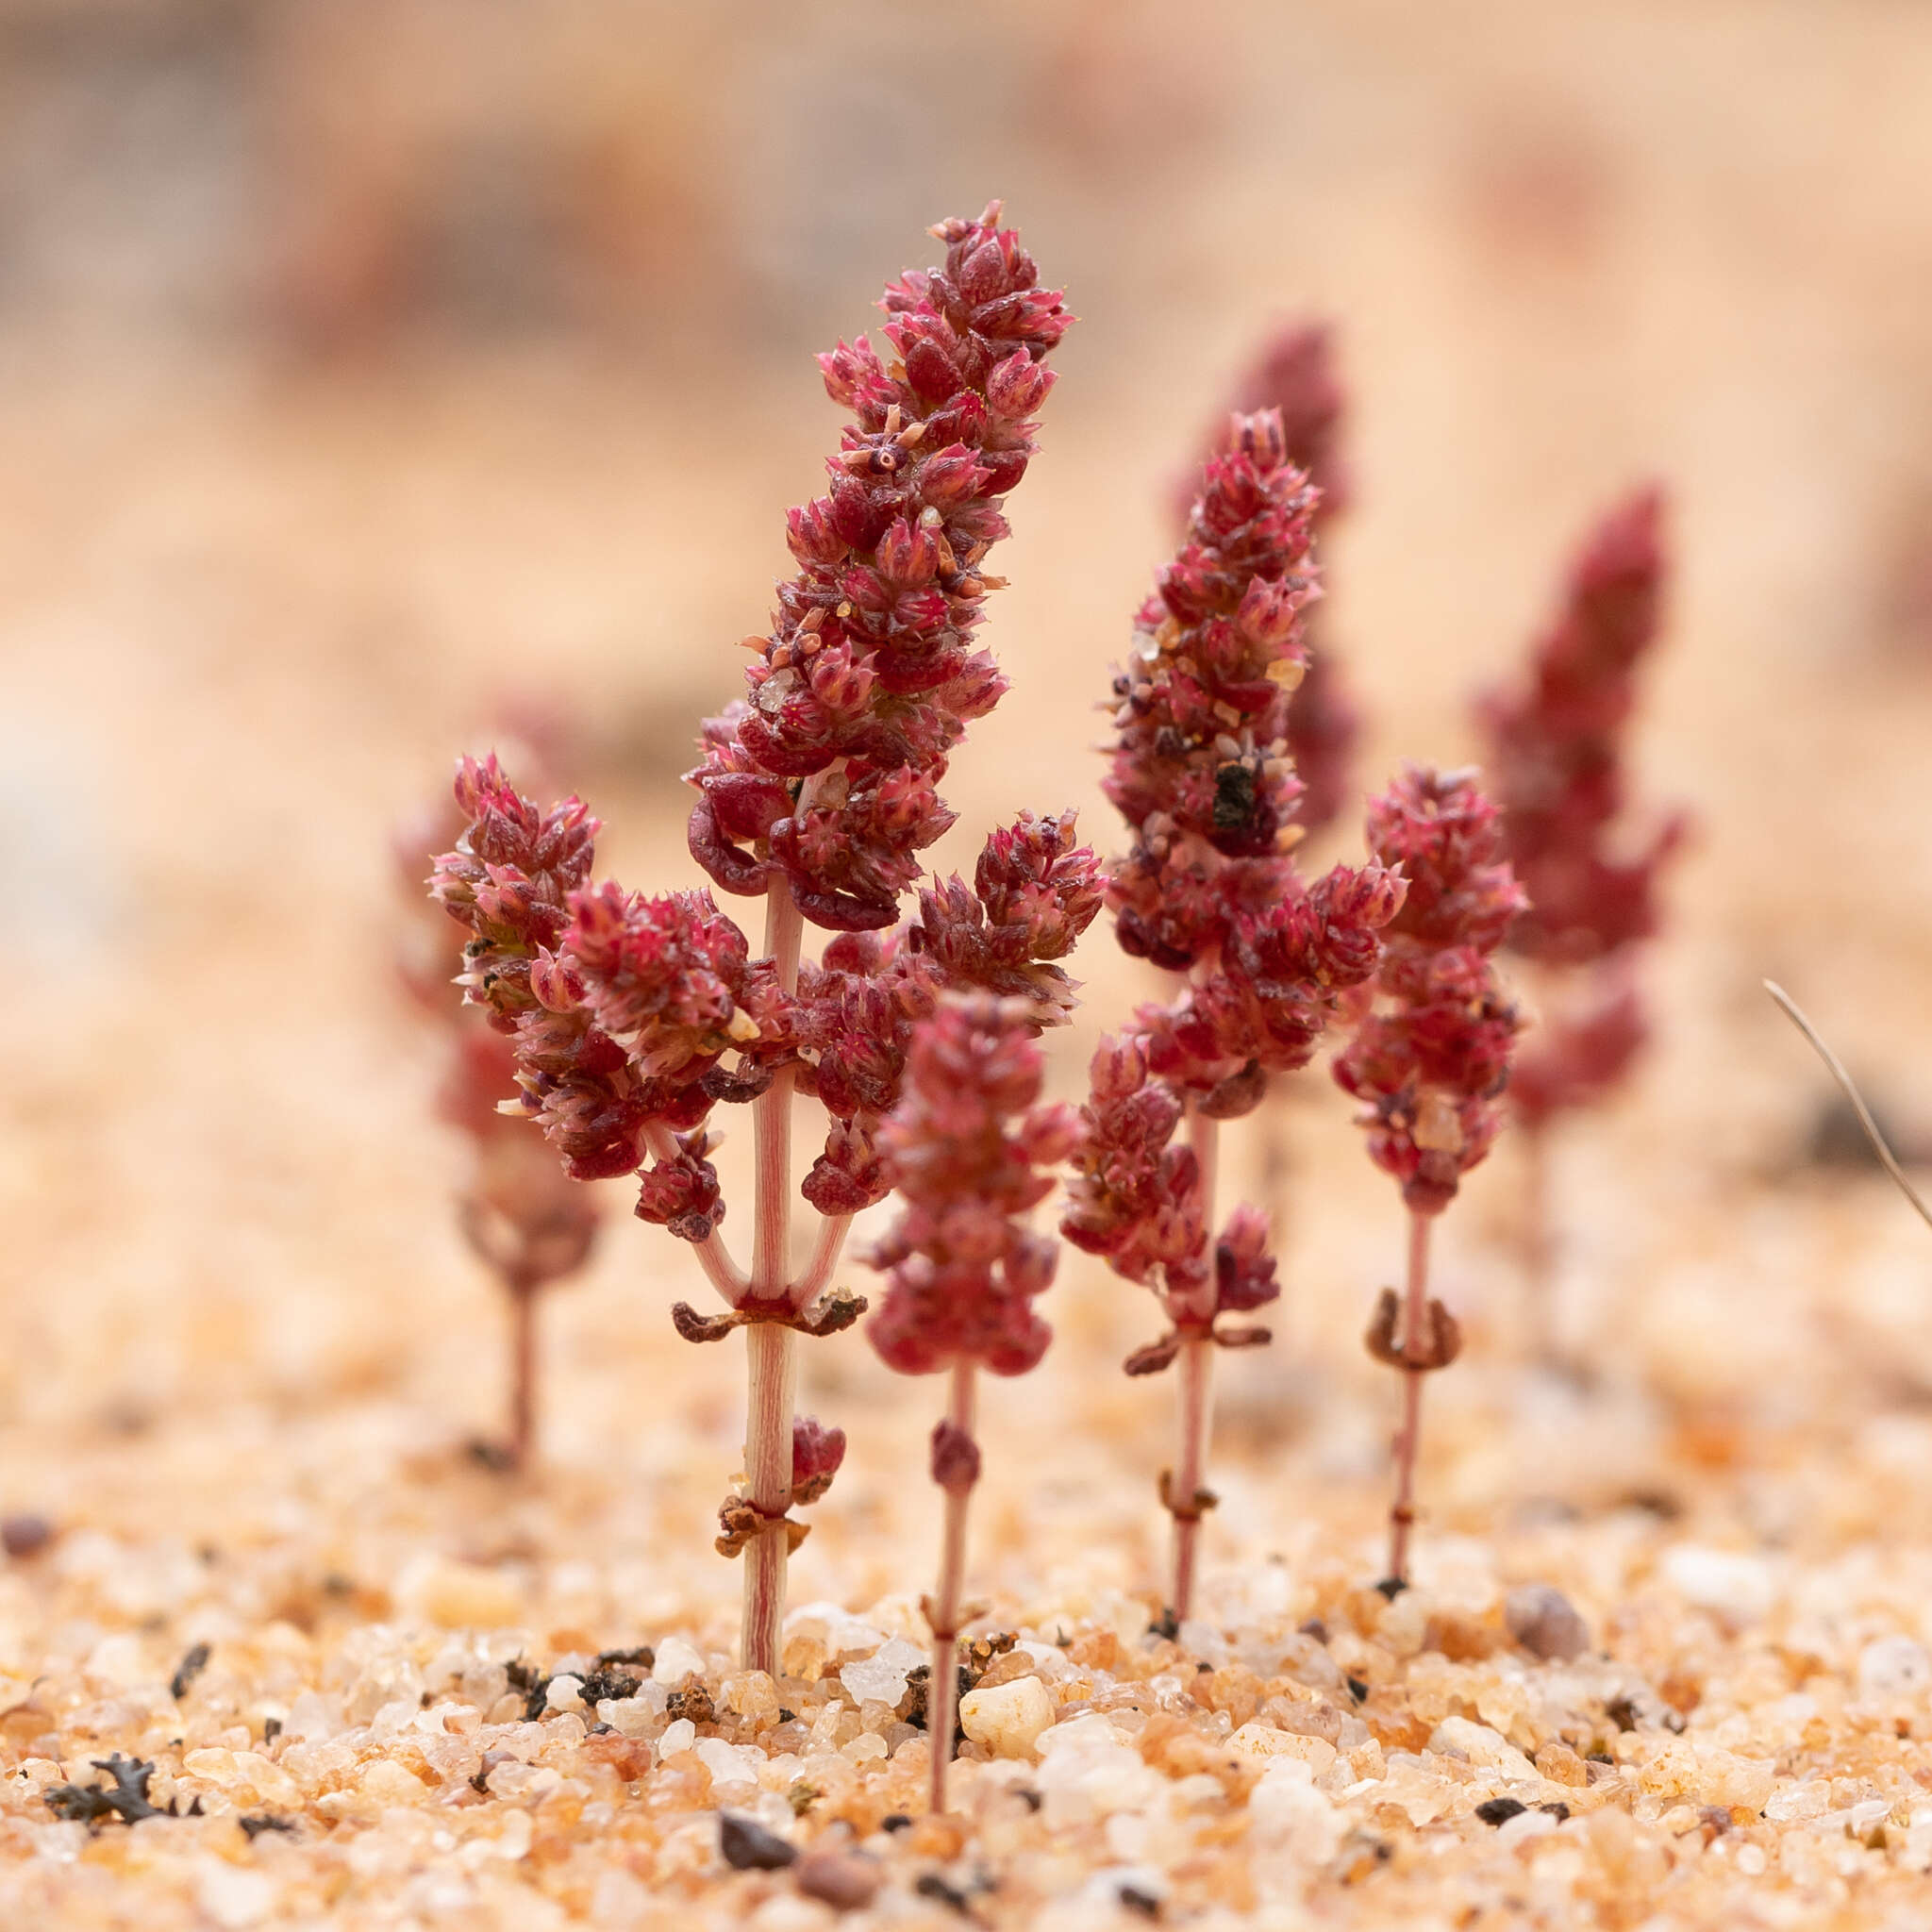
{"type": "Point", "coordinates": [1414, 1320]}
{"type": "Point", "coordinates": [522, 1374]}
{"type": "Point", "coordinates": [941, 1697]}
{"type": "Point", "coordinates": [770, 1351]}
{"type": "Point", "coordinates": [825, 1258]}
{"type": "Point", "coordinates": [1196, 1410]}
{"type": "Point", "coordinates": [1196, 1366]}
{"type": "Point", "coordinates": [771, 1359]}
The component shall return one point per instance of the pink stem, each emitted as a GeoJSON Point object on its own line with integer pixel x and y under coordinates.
{"type": "Point", "coordinates": [1414, 1322]}
{"type": "Point", "coordinates": [1196, 1409]}
{"type": "Point", "coordinates": [1196, 1395]}
{"type": "Point", "coordinates": [824, 1259]}
{"type": "Point", "coordinates": [770, 1352]}
{"type": "Point", "coordinates": [941, 1697]}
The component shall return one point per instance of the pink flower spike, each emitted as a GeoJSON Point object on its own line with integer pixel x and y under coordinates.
{"type": "Point", "coordinates": [870, 675]}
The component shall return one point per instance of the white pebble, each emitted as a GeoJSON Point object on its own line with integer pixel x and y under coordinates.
{"type": "Point", "coordinates": [1008, 1717]}
{"type": "Point", "coordinates": [564, 1692]}
{"type": "Point", "coordinates": [676, 1660]}
{"type": "Point", "coordinates": [1482, 1746]}
{"type": "Point", "coordinates": [1286, 1812]}
{"type": "Point", "coordinates": [1265, 1741]}
{"type": "Point", "coordinates": [1741, 1589]}
{"type": "Point", "coordinates": [678, 1737]}
{"type": "Point", "coordinates": [838, 1629]}
{"type": "Point", "coordinates": [1086, 1770]}
{"type": "Point", "coordinates": [1892, 1667]}
{"type": "Point", "coordinates": [880, 1678]}
{"type": "Point", "coordinates": [234, 1896]}
{"type": "Point", "coordinates": [730, 1764]}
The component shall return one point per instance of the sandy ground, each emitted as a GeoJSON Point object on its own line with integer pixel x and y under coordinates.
{"type": "Point", "coordinates": [249, 611]}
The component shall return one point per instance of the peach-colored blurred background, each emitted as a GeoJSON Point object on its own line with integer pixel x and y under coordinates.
{"type": "Point", "coordinates": [367, 366]}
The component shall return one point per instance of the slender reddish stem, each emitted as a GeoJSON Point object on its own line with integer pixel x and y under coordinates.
{"type": "Point", "coordinates": [522, 1374]}
{"type": "Point", "coordinates": [1196, 1366]}
{"type": "Point", "coordinates": [941, 1698]}
{"type": "Point", "coordinates": [1196, 1396]}
{"type": "Point", "coordinates": [1414, 1320]}
{"type": "Point", "coordinates": [824, 1259]}
{"type": "Point", "coordinates": [770, 1347]}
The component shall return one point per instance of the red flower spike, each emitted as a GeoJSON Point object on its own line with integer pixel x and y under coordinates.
{"type": "Point", "coordinates": [1580, 1050]}
{"type": "Point", "coordinates": [1203, 771]}
{"type": "Point", "coordinates": [1556, 751]}
{"type": "Point", "coordinates": [620, 1009]}
{"type": "Point", "coordinates": [1431, 1054]}
{"type": "Point", "coordinates": [970, 1150]}
{"type": "Point", "coordinates": [868, 679]}
{"type": "Point", "coordinates": [1296, 375]}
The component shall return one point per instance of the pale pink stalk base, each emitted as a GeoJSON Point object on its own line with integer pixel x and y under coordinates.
{"type": "Point", "coordinates": [942, 1696]}
{"type": "Point", "coordinates": [1196, 1368]}
{"type": "Point", "coordinates": [1414, 1322]}
{"type": "Point", "coordinates": [770, 1352]}
{"type": "Point", "coordinates": [771, 1359]}
{"type": "Point", "coordinates": [522, 1375]}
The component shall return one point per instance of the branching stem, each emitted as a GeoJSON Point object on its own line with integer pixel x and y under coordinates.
{"type": "Point", "coordinates": [824, 1259]}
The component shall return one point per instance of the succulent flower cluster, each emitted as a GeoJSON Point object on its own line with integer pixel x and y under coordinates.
{"type": "Point", "coordinates": [1202, 771]}
{"type": "Point", "coordinates": [619, 1009]}
{"type": "Point", "coordinates": [1555, 755]}
{"type": "Point", "coordinates": [518, 1210]}
{"type": "Point", "coordinates": [826, 774]}
{"type": "Point", "coordinates": [970, 1150]}
{"type": "Point", "coordinates": [1296, 375]}
{"type": "Point", "coordinates": [1431, 1051]}
{"type": "Point", "coordinates": [1556, 765]}
{"type": "Point", "coordinates": [1034, 893]}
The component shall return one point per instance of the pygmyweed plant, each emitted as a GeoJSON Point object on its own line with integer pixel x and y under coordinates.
{"type": "Point", "coordinates": [634, 1018]}
{"type": "Point", "coordinates": [521, 1215]}
{"type": "Point", "coordinates": [1202, 772]}
{"type": "Point", "coordinates": [1556, 767]}
{"type": "Point", "coordinates": [970, 1150]}
{"type": "Point", "coordinates": [1429, 1059]}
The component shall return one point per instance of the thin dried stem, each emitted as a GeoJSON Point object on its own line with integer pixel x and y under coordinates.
{"type": "Point", "coordinates": [944, 1609]}
{"type": "Point", "coordinates": [770, 1347]}
{"type": "Point", "coordinates": [1414, 1329]}
{"type": "Point", "coordinates": [1796, 1017]}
